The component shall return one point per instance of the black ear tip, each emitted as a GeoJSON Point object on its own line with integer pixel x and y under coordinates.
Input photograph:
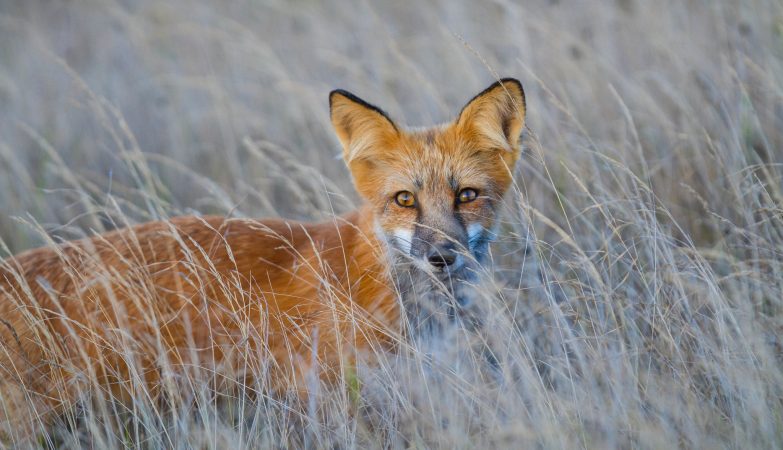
{"type": "Point", "coordinates": [517, 83]}
{"type": "Point", "coordinates": [357, 100]}
{"type": "Point", "coordinates": [510, 80]}
{"type": "Point", "coordinates": [514, 81]}
{"type": "Point", "coordinates": [501, 83]}
{"type": "Point", "coordinates": [337, 92]}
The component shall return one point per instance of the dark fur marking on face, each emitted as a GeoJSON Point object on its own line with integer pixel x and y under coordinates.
{"type": "Point", "coordinates": [453, 183]}
{"type": "Point", "coordinates": [429, 137]}
{"type": "Point", "coordinates": [475, 154]}
{"type": "Point", "coordinates": [461, 221]}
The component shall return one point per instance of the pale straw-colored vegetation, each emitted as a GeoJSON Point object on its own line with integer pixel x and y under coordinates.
{"type": "Point", "coordinates": [635, 295]}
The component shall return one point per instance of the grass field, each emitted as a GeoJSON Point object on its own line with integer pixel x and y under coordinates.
{"type": "Point", "coordinates": [635, 298]}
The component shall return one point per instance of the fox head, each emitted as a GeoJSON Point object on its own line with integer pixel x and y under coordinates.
{"type": "Point", "coordinates": [435, 191]}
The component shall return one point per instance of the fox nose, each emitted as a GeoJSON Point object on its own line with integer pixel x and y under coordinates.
{"type": "Point", "coordinates": [441, 256]}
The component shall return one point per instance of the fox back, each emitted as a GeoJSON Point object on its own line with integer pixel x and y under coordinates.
{"type": "Point", "coordinates": [145, 305]}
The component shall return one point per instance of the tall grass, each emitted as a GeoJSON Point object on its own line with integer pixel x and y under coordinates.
{"type": "Point", "coordinates": [634, 296]}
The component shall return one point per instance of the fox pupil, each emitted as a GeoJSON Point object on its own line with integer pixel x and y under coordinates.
{"type": "Point", "coordinates": [405, 199]}
{"type": "Point", "coordinates": [467, 195]}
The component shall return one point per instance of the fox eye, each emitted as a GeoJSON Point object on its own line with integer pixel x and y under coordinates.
{"type": "Point", "coordinates": [467, 195]}
{"type": "Point", "coordinates": [405, 199]}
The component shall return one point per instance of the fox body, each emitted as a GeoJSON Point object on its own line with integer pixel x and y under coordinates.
{"type": "Point", "coordinates": [234, 294]}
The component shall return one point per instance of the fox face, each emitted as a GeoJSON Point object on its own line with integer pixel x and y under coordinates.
{"type": "Point", "coordinates": [434, 192]}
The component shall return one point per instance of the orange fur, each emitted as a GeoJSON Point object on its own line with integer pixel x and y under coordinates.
{"type": "Point", "coordinates": [214, 292]}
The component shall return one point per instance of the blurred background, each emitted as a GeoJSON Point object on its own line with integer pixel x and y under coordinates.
{"type": "Point", "coordinates": [639, 272]}
{"type": "Point", "coordinates": [153, 102]}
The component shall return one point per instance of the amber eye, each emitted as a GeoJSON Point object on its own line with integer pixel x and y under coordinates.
{"type": "Point", "coordinates": [405, 199]}
{"type": "Point", "coordinates": [467, 195]}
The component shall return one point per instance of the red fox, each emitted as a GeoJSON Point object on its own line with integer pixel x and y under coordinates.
{"type": "Point", "coordinates": [120, 309]}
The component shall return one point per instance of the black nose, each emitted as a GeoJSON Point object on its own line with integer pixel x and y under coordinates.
{"type": "Point", "coordinates": [441, 257]}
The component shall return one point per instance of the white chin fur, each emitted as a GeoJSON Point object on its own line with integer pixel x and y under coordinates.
{"type": "Point", "coordinates": [403, 239]}
{"type": "Point", "coordinates": [474, 230]}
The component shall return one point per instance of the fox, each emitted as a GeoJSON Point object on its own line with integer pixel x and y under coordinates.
{"type": "Point", "coordinates": [144, 304]}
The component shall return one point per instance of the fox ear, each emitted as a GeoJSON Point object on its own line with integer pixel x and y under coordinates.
{"type": "Point", "coordinates": [496, 115]}
{"type": "Point", "coordinates": [360, 126]}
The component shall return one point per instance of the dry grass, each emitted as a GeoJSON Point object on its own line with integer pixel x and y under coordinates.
{"type": "Point", "coordinates": [635, 294]}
